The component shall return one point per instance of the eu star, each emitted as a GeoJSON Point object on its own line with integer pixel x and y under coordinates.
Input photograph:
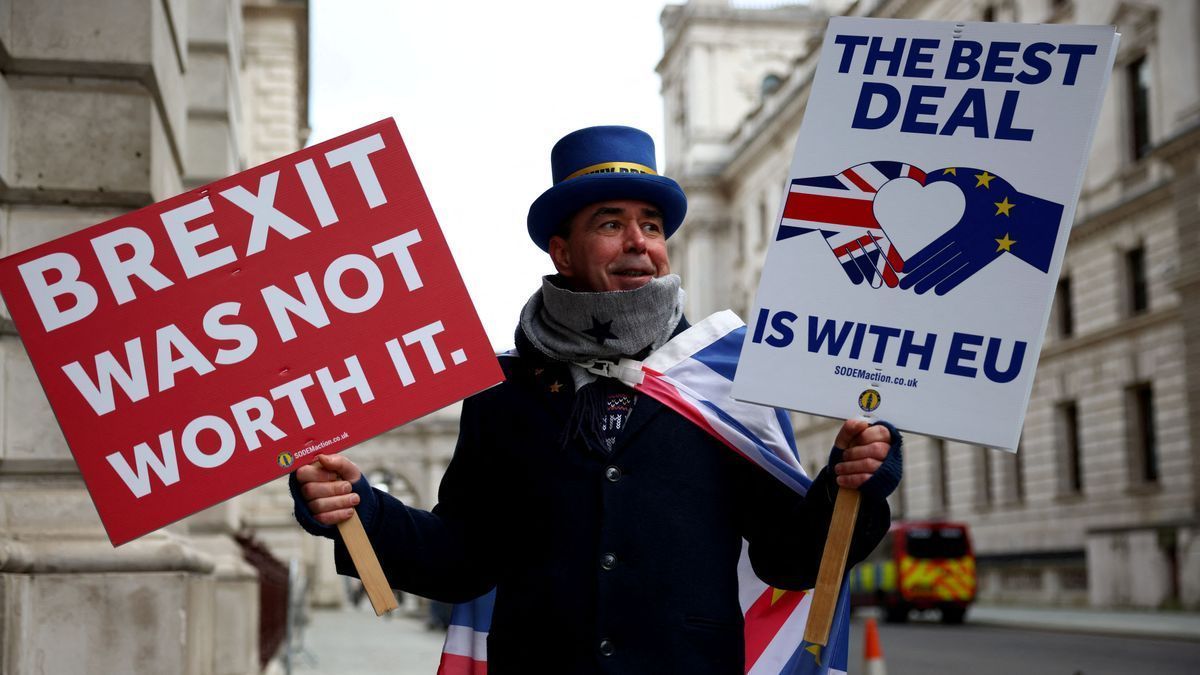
{"type": "Point", "coordinates": [983, 180]}
{"type": "Point", "coordinates": [1005, 244]}
{"type": "Point", "coordinates": [1003, 207]}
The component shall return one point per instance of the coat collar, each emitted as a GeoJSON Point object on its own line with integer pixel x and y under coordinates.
{"type": "Point", "coordinates": [546, 371]}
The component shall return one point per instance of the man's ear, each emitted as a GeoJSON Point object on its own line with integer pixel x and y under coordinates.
{"type": "Point", "coordinates": [560, 254]}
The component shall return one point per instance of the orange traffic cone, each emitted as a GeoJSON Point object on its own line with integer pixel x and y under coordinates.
{"type": "Point", "coordinates": [872, 652]}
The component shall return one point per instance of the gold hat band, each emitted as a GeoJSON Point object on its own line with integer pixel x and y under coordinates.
{"type": "Point", "coordinates": [613, 167]}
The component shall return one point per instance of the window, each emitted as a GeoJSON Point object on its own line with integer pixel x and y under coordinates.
{"type": "Point", "coordinates": [1064, 313]}
{"type": "Point", "coordinates": [1071, 476]}
{"type": "Point", "coordinates": [983, 479]}
{"type": "Point", "coordinates": [1137, 75]}
{"type": "Point", "coordinates": [1017, 475]}
{"type": "Point", "coordinates": [1137, 297]}
{"type": "Point", "coordinates": [941, 479]}
{"type": "Point", "coordinates": [1143, 443]}
{"type": "Point", "coordinates": [989, 13]}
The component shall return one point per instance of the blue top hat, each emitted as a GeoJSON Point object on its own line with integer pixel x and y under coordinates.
{"type": "Point", "coordinates": [598, 164]}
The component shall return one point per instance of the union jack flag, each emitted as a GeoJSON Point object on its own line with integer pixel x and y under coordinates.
{"type": "Point", "coordinates": [841, 208]}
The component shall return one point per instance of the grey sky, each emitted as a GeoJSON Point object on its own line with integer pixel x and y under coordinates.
{"type": "Point", "coordinates": [481, 91]}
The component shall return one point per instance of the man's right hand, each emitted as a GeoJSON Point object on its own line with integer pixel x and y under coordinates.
{"type": "Point", "coordinates": [325, 486]}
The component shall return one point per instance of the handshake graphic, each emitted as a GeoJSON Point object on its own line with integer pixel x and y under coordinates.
{"type": "Point", "coordinates": [996, 219]}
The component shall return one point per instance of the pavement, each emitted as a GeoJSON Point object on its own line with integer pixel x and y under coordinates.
{"type": "Point", "coordinates": [1164, 624]}
{"type": "Point", "coordinates": [337, 642]}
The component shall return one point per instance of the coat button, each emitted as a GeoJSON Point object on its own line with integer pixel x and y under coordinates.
{"type": "Point", "coordinates": [608, 561]}
{"type": "Point", "coordinates": [612, 473]}
{"type": "Point", "coordinates": [606, 647]}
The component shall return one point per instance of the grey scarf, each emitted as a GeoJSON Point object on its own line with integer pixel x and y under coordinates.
{"type": "Point", "coordinates": [583, 326]}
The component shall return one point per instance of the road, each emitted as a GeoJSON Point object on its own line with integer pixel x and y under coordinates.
{"type": "Point", "coordinates": [925, 647]}
{"type": "Point", "coordinates": [355, 641]}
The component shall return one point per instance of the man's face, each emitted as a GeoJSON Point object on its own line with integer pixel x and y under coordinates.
{"type": "Point", "coordinates": [616, 245]}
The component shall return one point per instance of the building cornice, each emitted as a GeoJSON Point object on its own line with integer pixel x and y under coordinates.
{"type": "Point", "coordinates": [1126, 207]}
{"type": "Point", "coordinates": [891, 9]}
{"type": "Point", "coordinates": [1032, 555]}
{"type": "Point", "coordinates": [1184, 144]}
{"type": "Point", "coordinates": [1121, 330]}
{"type": "Point", "coordinates": [1169, 524]}
{"type": "Point", "coordinates": [702, 182]}
{"type": "Point", "coordinates": [767, 132]}
{"type": "Point", "coordinates": [157, 552]}
{"type": "Point", "coordinates": [677, 19]}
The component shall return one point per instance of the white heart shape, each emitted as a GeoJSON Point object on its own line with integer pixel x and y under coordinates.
{"type": "Point", "coordinates": [913, 215]}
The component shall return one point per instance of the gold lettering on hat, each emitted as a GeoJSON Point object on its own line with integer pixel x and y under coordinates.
{"type": "Point", "coordinates": [613, 167]}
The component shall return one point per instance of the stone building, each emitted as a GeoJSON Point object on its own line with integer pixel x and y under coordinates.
{"type": "Point", "coordinates": [1101, 504]}
{"type": "Point", "coordinates": [106, 107]}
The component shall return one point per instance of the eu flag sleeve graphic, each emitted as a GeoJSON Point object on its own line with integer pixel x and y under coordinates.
{"type": "Point", "coordinates": [997, 220]}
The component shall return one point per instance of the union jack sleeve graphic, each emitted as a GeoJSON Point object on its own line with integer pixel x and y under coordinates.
{"type": "Point", "coordinates": [841, 208]}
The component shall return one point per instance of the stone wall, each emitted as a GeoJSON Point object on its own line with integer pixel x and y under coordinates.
{"type": "Point", "coordinates": [106, 107]}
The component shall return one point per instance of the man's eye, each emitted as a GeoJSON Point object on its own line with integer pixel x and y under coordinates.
{"type": "Point", "coordinates": [652, 227]}
{"type": "Point", "coordinates": [610, 225]}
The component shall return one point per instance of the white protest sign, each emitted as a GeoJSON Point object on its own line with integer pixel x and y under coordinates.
{"type": "Point", "coordinates": [927, 211]}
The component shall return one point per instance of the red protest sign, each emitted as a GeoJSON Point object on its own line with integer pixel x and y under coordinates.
{"type": "Point", "coordinates": [199, 347]}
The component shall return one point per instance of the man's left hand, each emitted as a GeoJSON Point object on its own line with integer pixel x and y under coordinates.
{"type": "Point", "coordinates": [864, 447]}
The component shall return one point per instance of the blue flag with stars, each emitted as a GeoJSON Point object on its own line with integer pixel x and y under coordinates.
{"type": "Point", "coordinates": [997, 220]}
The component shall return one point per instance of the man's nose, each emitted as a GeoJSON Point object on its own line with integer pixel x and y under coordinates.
{"type": "Point", "coordinates": [635, 239]}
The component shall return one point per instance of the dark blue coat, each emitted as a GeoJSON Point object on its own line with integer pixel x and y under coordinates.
{"type": "Point", "coordinates": [638, 549]}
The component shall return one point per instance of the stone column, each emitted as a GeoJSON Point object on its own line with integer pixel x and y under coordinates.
{"type": "Point", "coordinates": [276, 109]}
{"type": "Point", "coordinates": [92, 119]}
{"type": "Point", "coordinates": [215, 150]}
{"type": "Point", "coordinates": [106, 107]}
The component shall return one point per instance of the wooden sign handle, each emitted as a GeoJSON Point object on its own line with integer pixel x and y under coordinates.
{"type": "Point", "coordinates": [833, 563]}
{"type": "Point", "coordinates": [367, 564]}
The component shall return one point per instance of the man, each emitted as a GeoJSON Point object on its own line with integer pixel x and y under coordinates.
{"type": "Point", "coordinates": [609, 525]}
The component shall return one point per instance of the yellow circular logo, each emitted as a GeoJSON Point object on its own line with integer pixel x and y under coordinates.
{"type": "Point", "coordinates": [869, 400]}
{"type": "Point", "coordinates": [284, 459]}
